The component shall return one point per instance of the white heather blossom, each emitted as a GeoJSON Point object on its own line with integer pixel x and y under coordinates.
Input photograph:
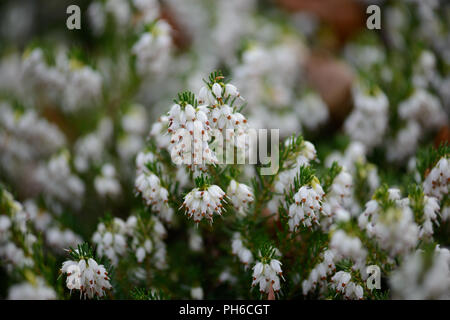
{"type": "Point", "coordinates": [306, 207]}
{"type": "Point", "coordinates": [195, 240]}
{"type": "Point", "coordinates": [106, 184]}
{"type": "Point", "coordinates": [37, 289]}
{"type": "Point", "coordinates": [342, 283]}
{"type": "Point", "coordinates": [431, 210]}
{"type": "Point", "coordinates": [120, 10]}
{"type": "Point", "coordinates": [355, 153]}
{"type": "Point", "coordinates": [339, 202]}
{"type": "Point", "coordinates": [110, 239]}
{"type": "Point", "coordinates": [364, 56]}
{"type": "Point", "coordinates": [69, 83]}
{"type": "Point", "coordinates": [147, 239]}
{"type": "Point", "coordinates": [128, 145]}
{"type": "Point", "coordinates": [90, 148]}
{"type": "Point", "coordinates": [344, 246]}
{"type": "Point", "coordinates": [266, 275]}
{"type": "Point", "coordinates": [197, 293]}
{"type": "Point", "coordinates": [142, 159]}
{"type": "Point", "coordinates": [436, 183]}
{"type": "Point", "coordinates": [423, 277]}
{"type": "Point", "coordinates": [200, 204]}
{"type": "Point", "coordinates": [445, 213]}
{"type": "Point", "coordinates": [319, 274]}
{"type": "Point", "coordinates": [196, 121]}
{"type": "Point", "coordinates": [60, 238]}
{"type": "Point", "coordinates": [238, 249]}
{"type": "Point", "coordinates": [268, 76]}
{"type": "Point", "coordinates": [189, 129]}
{"type": "Point", "coordinates": [87, 276]}
{"type": "Point", "coordinates": [424, 108]}
{"type": "Point", "coordinates": [13, 225]}
{"type": "Point", "coordinates": [73, 120]}
{"type": "Point", "coordinates": [149, 9]}
{"type": "Point", "coordinates": [59, 182]}
{"type": "Point", "coordinates": [134, 121]}
{"type": "Point", "coordinates": [56, 236]}
{"type": "Point", "coordinates": [153, 193]}
{"type": "Point", "coordinates": [285, 179]}
{"type": "Point", "coordinates": [241, 196]}
{"type": "Point", "coordinates": [26, 135]}
{"type": "Point", "coordinates": [425, 70]}
{"type": "Point", "coordinates": [235, 17]}
{"type": "Point", "coordinates": [368, 121]}
{"type": "Point", "coordinates": [158, 132]}
{"type": "Point", "coordinates": [340, 280]}
{"type": "Point", "coordinates": [312, 111]}
{"type": "Point", "coordinates": [15, 256]}
{"type": "Point", "coordinates": [37, 75]}
{"type": "Point", "coordinates": [404, 144]}
{"type": "Point", "coordinates": [97, 17]}
{"type": "Point", "coordinates": [394, 228]}
{"type": "Point", "coordinates": [226, 276]}
{"type": "Point", "coordinates": [153, 49]}
{"type": "Point", "coordinates": [84, 89]}
{"type": "Point", "coordinates": [40, 218]}
{"type": "Point", "coordinates": [353, 160]}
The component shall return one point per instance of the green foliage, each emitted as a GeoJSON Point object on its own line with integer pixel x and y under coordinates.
{"type": "Point", "coordinates": [215, 77]}
{"type": "Point", "coordinates": [185, 98]}
{"type": "Point", "coordinates": [416, 198]}
{"type": "Point", "coordinates": [148, 294]}
{"type": "Point", "coordinates": [329, 175]}
{"type": "Point", "coordinates": [382, 197]}
{"type": "Point", "coordinates": [83, 251]}
{"type": "Point", "coordinates": [202, 182]}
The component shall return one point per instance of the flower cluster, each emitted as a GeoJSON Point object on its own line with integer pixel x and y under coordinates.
{"type": "Point", "coordinates": [148, 184]}
{"type": "Point", "coordinates": [306, 207]}
{"type": "Point", "coordinates": [416, 279]}
{"type": "Point", "coordinates": [241, 196]}
{"type": "Point", "coordinates": [36, 289]}
{"type": "Point", "coordinates": [436, 183]}
{"type": "Point", "coordinates": [194, 121]}
{"type": "Point", "coordinates": [267, 276]}
{"type": "Point", "coordinates": [368, 122]}
{"type": "Point", "coordinates": [147, 234]}
{"type": "Point", "coordinates": [341, 247]}
{"type": "Point", "coordinates": [110, 239]}
{"type": "Point", "coordinates": [106, 183]}
{"type": "Point", "coordinates": [204, 203]}
{"type": "Point", "coordinates": [153, 48]}
{"type": "Point", "coordinates": [342, 283]}
{"type": "Point", "coordinates": [237, 248]}
{"type": "Point", "coordinates": [87, 276]}
{"type": "Point", "coordinates": [393, 226]}
{"type": "Point", "coordinates": [358, 144]}
{"type": "Point", "coordinates": [303, 152]}
{"type": "Point", "coordinates": [69, 82]}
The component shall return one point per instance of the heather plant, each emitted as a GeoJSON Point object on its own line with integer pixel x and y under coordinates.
{"type": "Point", "coordinates": [181, 149]}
